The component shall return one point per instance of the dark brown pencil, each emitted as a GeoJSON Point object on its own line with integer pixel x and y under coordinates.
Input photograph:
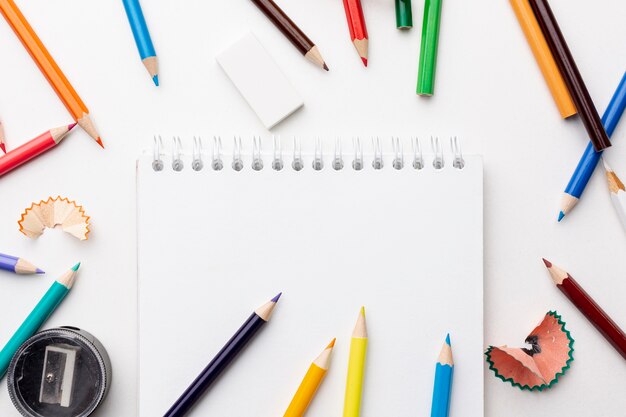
{"type": "Point", "coordinates": [571, 75]}
{"type": "Point", "coordinates": [291, 31]}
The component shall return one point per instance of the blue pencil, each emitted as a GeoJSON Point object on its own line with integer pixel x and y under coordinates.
{"type": "Point", "coordinates": [590, 158]}
{"type": "Point", "coordinates": [142, 38]}
{"type": "Point", "coordinates": [443, 382]}
{"type": "Point", "coordinates": [18, 265]}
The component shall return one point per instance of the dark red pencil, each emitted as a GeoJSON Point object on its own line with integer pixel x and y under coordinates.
{"type": "Point", "coordinates": [571, 75]}
{"type": "Point", "coordinates": [33, 148]}
{"type": "Point", "coordinates": [588, 307]}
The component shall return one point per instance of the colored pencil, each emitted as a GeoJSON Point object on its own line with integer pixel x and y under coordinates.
{"type": "Point", "coordinates": [291, 32]}
{"type": "Point", "coordinates": [18, 265]}
{"type": "Point", "coordinates": [356, 368]}
{"type": "Point", "coordinates": [590, 158]}
{"type": "Point", "coordinates": [46, 306]}
{"type": "Point", "coordinates": [2, 142]}
{"type": "Point", "coordinates": [544, 58]}
{"type": "Point", "coordinates": [571, 75]}
{"type": "Point", "coordinates": [225, 356]}
{"type": "Point", "coordinates": [429, 47]}
{"type": "Point", "coordinates": [33, 148]}
{"type": "Point", "coordinates": [142, 38]}
{"type": "Point", "coordinates": [357, 27]}
{"type": "Point", "coordinates": [583, 301]}
{"type": "Point", "coordinates": [311, 382]}
{"type": "Point", "coordinates": [404, 14]}
{"type": "Point", "coordinates": [443, 381]}
{"type": "Point", "coordinates": [618, 192]}
{"type": "Point", "coordinates": [49, 67]}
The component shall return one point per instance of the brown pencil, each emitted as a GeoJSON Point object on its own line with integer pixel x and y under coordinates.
{"type": "Point", "coordinates": [571, 75]}
{"type": "Point", "coordinates": [583, 301]}
{"type": "Point", "coordinates": [291, 31]}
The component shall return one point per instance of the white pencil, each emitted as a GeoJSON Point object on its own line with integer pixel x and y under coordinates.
{"type": "Point", "coordinates": [618, 192]}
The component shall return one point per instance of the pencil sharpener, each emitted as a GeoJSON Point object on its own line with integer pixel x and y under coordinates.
{"type": "Point", "coordinates": [61, 372]}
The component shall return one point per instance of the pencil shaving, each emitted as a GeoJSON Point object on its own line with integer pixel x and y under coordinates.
{"type": "Point", "coordinates": [540, 366]}
{"type": "Point", "coordinates": [59, 211]}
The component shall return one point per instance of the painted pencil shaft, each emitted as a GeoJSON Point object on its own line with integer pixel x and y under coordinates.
{"type": "Point", "coordinates": [32, 148]}
{"type": "Point", "coordinates": [309, 385]}
{"type": "Point", "coordinates": [430, 44]}
{"type": "Point", "coordinates": [586, 305]}
{"type": "Point", "coordinates": [224, 357]}
{"type": "Point", "coordinates": [18, 265]}
{"type": "Point", "coordinates": [573, 80]}
{"type": "Point", "coordinates": [46, 306]}
{"type": "Point", "coordinates": [357, 27]}
{"type": "Point", "coordinates": [48, 67]}
{"type": "Point", "coordinates": [590, 158]}
{"type": "Point", "coordinates": [443, 382]}
{"type": "Point", "coordinates": [356, 368]}
{"type": "Point", "coordinates": [291, 31]}
{"type": "Point", "coordinates": [142, 37]}
{"type": "Point", "coordinates": [404, 14]}
{"type": "Point", "coordinates": [544, 58]}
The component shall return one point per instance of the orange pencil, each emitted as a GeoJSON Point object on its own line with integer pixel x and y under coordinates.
{"type": "Point", "coordinates": [48, 67]}
{"type": "Point", "coordinates": [311, 382]}
{"type": "Point", "coordinates": [544, 58]}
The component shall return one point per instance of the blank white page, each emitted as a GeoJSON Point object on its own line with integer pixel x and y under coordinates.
{"type": "Point", "coordinates": [215, 245]}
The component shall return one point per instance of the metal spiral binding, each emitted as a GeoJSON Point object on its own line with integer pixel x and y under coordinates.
{"type": "Point", "coordinates": [177, 161]}
{"type": "Point", "coordinates": [318, 158]}
{"type": "Point", "coordinates": [277, 162]}
{"type": "Point", "coordinates": [237, 161]}
{"type": "Point", "coordinates": [216, 155]}
{"type": "Point", "coordinates": [196, 163]}
{"type": "Point", "coordinates": [157, 162]}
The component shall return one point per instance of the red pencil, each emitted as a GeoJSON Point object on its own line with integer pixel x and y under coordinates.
{"type": "Point", "coordinates": [588, 307]}
{"type": "Point", "coordinates": [358, 30]}
{"type": "Point", "coordinates": [2, 145]}
{"type": "Point", "coordinates": [33, 148]}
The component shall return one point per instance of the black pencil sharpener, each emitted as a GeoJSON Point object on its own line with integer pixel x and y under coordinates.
{"type": "Point", "coordinates": [62, 372]}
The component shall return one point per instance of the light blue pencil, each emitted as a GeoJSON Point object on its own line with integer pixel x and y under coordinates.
{"type": "Point", "coordinates": [443, 382]}
{"type": "Point", "coordinates": [142, 38]}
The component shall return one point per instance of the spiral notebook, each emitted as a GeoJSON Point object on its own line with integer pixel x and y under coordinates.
{"type": "Point", "coordinates": [222, 229]}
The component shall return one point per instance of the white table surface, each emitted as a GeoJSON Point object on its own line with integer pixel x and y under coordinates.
{"type": "Point", "coordinates": [489, 92]}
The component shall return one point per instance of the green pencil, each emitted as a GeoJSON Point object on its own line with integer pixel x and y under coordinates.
{"type": "Point", "coordinates": [38, 316]}
{"type": "Point", "coordinates": [404, 15]}
{"type": "Point", "coordinates": [428, 52]}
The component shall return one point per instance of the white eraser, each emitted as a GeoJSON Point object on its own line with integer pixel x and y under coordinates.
{"type": "Point", "coordinates": [259, 80]}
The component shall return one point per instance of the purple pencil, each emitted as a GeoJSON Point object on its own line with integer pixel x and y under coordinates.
{"type": "Point", "coordinates": [225, 356]}
{"type": "Point", "coordinates": [18, 265]}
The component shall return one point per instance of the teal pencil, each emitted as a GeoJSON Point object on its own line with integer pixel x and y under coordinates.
{"type": "Point", "coordinates": [38, 316]}
{"type": "Point", "coordinates": [443, 382]}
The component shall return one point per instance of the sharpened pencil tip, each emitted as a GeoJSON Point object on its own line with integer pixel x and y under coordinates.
{"type": "Point", "coordinates": [331, 344]}
{"type": "Point", "coordinates": [40, 271]}
{"type": "Point", "coordinates": [561, 215]}
{"type": "Point", "coordinates": [70, 127]}
{"type": "Point", "coordinates": [100, 142]}
{"type": "Point", "coordinates": [448, 340]}
{"type": "Point", "coordinates": [547, 263]}
{"type": "Point", "coordinates": [75, 267]}
{"type": "Point", "coordinates": [364, 61]}
{"type": "Point", "coordinates": [155, 79]}
{"type": "Point", "coordinates": [362, 312]}
{"type": "Point", "coordinates": [3, 147]}
{"type": "Point", "coordinates": [326, 67]}
{"type": "Point", "coordinates": [275, 299]}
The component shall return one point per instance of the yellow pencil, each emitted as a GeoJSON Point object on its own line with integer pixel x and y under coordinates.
{"type": "Point", "coordinates": [356, 368]}
{"type": "Point", "coordinates": [311, 382]}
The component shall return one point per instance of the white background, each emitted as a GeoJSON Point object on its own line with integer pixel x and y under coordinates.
{"type": "Point", "coordinates": [489, 92]}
